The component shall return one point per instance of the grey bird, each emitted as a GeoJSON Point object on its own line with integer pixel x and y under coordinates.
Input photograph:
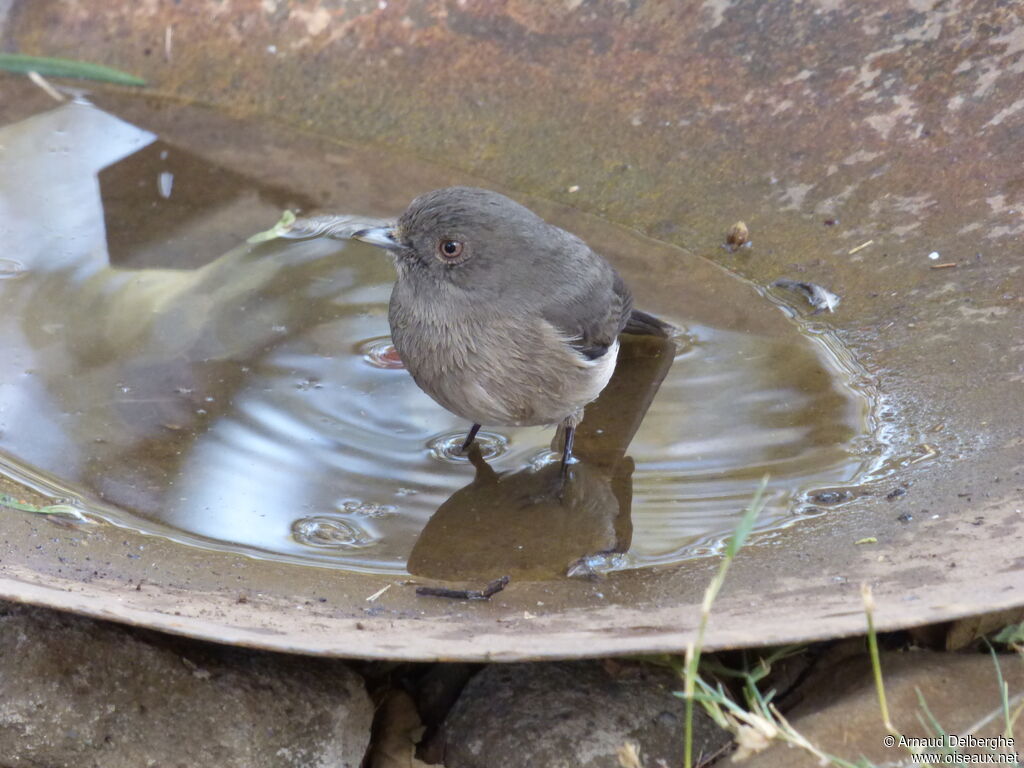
{"type": "Point", "coordinates": [500, 317]}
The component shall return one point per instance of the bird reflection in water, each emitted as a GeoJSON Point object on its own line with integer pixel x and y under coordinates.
{"type": "Point", "coordinates": [527, 523]}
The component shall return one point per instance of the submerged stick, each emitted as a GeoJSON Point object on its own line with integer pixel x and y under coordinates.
{"type": "Point", "coordinates": [465, 594]}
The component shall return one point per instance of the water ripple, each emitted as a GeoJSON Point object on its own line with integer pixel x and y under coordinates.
{"type": "Point", "coordinates": [329, 532]}
{"type": "Point", "coordinates": [448, 447]}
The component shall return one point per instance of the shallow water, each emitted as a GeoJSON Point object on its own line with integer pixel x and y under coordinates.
{"type": "Point", "coordinates": [250, 400]}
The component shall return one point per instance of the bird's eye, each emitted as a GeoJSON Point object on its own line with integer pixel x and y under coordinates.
{"type": "Point", "coordinates": [450, 249]}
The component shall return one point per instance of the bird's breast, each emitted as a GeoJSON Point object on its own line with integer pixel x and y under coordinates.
{"type": "Point", "coordinates": [496, 369]}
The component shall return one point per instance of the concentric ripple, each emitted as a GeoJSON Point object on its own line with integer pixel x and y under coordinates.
{"type": "Point", "coordinates": [448, 447]}
{"type": "Point", "coordinates": [325, 532]}
{"type": "Point", "coordinates": [381, 353]}
{"type": "Point", "coordinates": [10, 268]}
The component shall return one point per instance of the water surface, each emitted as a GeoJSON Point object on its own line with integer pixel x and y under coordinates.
{"type": "Point", "coordinates": [172, 378]}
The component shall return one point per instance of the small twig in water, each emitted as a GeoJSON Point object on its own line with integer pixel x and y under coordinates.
{"type": "Point", "coordinates": [43, 83]}
{"type": "Point", "coordinates": [465, 594]}
{"type": "Point", "coordinates": [860, 247]}
{"type": "Point", "coordinates": [378, 593]}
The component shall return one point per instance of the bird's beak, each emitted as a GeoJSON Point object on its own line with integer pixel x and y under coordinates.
{"type": "Point", "coordinates": [382, 237]}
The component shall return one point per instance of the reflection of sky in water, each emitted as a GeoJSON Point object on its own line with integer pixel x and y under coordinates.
{"type": "Point", "coordinates": [231, 400]}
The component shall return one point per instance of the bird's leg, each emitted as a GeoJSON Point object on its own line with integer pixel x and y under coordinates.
{"type": "Point", "coordinates": [469, 438]}
{"type": "Point", "coordinates": [570, 433]}
{"type": "Point", "coordinates": [569, 424]}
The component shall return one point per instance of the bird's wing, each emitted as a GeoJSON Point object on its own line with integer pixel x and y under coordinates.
{"type": "Point", "coordinates": [592, 315]}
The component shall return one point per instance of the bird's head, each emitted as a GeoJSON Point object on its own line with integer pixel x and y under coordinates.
{"type": "Point", "coordinates": [472, 238]}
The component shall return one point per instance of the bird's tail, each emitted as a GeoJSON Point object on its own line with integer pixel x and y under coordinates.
{"type": "Point", "coordinates": [643, 324]}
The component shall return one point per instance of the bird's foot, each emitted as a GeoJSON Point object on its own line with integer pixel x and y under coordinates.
{"type": "Point", "coordinates": [468, 442]}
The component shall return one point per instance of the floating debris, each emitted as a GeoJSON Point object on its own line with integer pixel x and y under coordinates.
{"type": "Point", "coordinates": [947, 265]}
{"type": "Point", "coordinates": [43, 83]}
{"type": "Point", "coordinates": [819, 297]}
{"type": "Point", "coordinates": [164, 184]}
{"type": "Point", "coordinates": [830, 222]}
{"type": "Point", "coordinates": [860, 247]}
{"type": "Point", "coordinates": [738, 236]}
{"type": "Point", "coordinates": [465, 594]}
{"type": "Point", "coordinates": [373, 598]}
{"type": "Point", "coordinates": [65, 511]}
{"type": "Point", "coordinates": [595, 566]}
{"type": "Point", "coordinates": [867, 540]}
{"type": "Point", "coordinates": [280, 229]}
{"type": "Point", "coordinates": [934, 256]}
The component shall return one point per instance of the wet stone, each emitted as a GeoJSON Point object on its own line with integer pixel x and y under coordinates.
{"type": "Point", "coordinates": [572, 715]}
{"type": "Point", "coordinates": [78, 692]}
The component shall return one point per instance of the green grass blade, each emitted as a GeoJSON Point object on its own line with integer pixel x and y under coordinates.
{"type": "Point", "coordinates": [739, 536]}
{"type": "Point", "coordinates": [929, 720]}
{"type": "Point", "coordinates": [83, 70]}
{"type": "Point", "coordinates": [693, 650]}
{"type": "Point", "coordinates": [1004, 692]}
{"type": "Point", "coordinates": [1011, 635]}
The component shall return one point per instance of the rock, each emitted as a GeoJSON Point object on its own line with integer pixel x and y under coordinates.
{"type": "Point", "coordinates": [572, 715]}
{"type": "Point", "coordinates": [840, 713]}
{"type": "Point", "coordinates": [79, 693]}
